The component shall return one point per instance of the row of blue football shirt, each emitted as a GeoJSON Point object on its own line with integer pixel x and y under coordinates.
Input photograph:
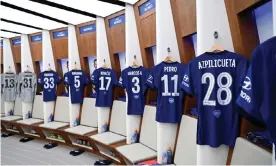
{"type": "Point", "coordinates": [217, 79]}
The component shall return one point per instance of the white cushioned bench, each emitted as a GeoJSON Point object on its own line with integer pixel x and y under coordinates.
{"type": "Point", "coordinates": [17, 112]}
{"type": "Point", "coordinates": [61, 116]}
{"type": "Point", "coordinates": [247, 153]}
{"type": "Point", "coordinates": [117, 128]}
{"type": "Point", "coordinates": [37, 113]}
{"type": "Point", "coordinates": [147, 147]}
{"type": "Point", "coordinates": [89, 118]}
{"type": "Point", "coordinates": [186, 147]}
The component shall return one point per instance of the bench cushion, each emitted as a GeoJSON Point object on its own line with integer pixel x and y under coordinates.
{"type": "Point", "coordinates": [81, 130]}
{"type": "Point", "coordinates": [30, 121]}
{"type": "Point", "coordinates": [54, 125]}
{"type": "Point", "coordinates": [108, 138]}
{"type": "Point", "coordinates": [136, 152]}
{"type": "Point", "coordinates": [11, 118]}
{"type": "Point", "coordinates": [246, 153]}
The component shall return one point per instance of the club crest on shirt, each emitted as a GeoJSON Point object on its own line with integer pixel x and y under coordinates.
{"type": "Point", "coordinates": [136, 96]}
{"type": "Point", "coordinates": [120, 80]}
{"type": "Point", "coordinates": [171, 100]}
{"type": "Point", "coordinates": [247, 83]}
{"type": "Point", "coordinates": [217, 113]}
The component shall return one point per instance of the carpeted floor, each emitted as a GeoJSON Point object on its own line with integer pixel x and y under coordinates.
{"type": "Point", "coordinates": [14, 152]}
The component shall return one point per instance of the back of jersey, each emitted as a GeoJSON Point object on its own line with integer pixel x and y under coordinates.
{"type": "Point", "coordinates": [76, 79]}
{"type": "Point", "coordinates": [9, 82]}
{"type": "Point", "coordinates": [27, 86]}
{"type": "Point", "coordinates": [215, 79]}
{"type": "Point", "coordinates": [134, 81]}
{"type": "Point", "coordinates": [49, 80]}
{"type": "Point", "coordinates": [104, 80]}
{"type": "Point", "coordinates": [166, 78]}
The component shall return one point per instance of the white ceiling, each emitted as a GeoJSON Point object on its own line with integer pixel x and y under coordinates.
{"type": "Point", "coordinates": [17, 28]}
{"type": "Point", "coordinates": [96, 7]}
{"type": "Point", "coordinates": [8, 34]}
{"type": "Point", "coordinates": [92, 6]}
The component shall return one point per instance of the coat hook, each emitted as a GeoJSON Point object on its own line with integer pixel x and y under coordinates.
{"type": "Point", "coordinates": [134, 56]}
{"type": "Point", "coordinates": [216, 35]}
{"type": "Point", "coordinates": [168, 49]}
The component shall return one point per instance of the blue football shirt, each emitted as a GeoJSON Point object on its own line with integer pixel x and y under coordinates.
{"type": "Point", "coordinates": [49, 80]}
{"type": "Point", "coordinates": [76, 80]}
{"type": "Point", "coordinates": [166, 78]}
{"type": "Point", "coordinates": [215, 80]}
{"type": "Point", "coordinates": [258, 94]}
{"type": "Point", "coordinates": [134, 81]}
{"type": "Point", "coordinates": [104, 81]}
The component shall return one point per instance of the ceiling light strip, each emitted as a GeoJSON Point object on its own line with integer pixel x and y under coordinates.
{"type": "Point", "coordinates": [32, 12]}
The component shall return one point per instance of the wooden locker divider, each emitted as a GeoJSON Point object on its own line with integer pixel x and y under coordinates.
{"type": "Point", "coordinates": [36, 53]}
{"type": "Point", "coordinates": [146, 28]}
{"type": "Point", "coordinates": [16, 52]}
{"type": "Point", "coordinates": [87, 47]}
{"type": "Point", "coordinates": [116, 42]}
{"type": "Point", "coordinates": [60, 51]}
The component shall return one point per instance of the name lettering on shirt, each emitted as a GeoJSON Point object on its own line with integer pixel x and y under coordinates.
{"type": "Point", "coordinates": [216, 63]}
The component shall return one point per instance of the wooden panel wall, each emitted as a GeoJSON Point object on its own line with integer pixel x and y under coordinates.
{"type": "Point", "coordinates": [87, 47]}
{"type": "Point", "coordinates": [146, 28]}
{"type": "Point", "coordinates": [36, 53]}
{"type": "Point", "coordinates": [36, 48]}
{"type": "Point", "coordinates": [186, 11]}
{"type": "Point", "coordinates": [60, 45]}
{"type": "Point", "coordinates": [87, 41]}
{"type": "Point", "coordinates": [16, 52]}
{"type": "Point", "coordinates": [116, 37]}
{"type": "Point", "coordinates": [60, 51]}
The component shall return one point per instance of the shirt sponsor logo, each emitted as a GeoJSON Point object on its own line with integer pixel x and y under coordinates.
{"type": "Point", "coordinates": [136, 96]}
{"type": "Point", "coordinates": [150, 78]}
{"type": "Point", "coordinates": [245, 96]}
{"type": "Point", "coordinates": [186, 78]}
{"type": "Point", "coordinates": [247, 83]}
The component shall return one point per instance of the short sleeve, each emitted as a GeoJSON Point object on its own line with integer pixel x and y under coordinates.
{"type": "Point", "coordinates": [150, 79]}
{"type": "Point", "coordinates": [251, 95]}
{"type": "Point", "coordinates": [40, 78]}
{"type": "Point", "coordinates": [121, 81]}
{"type": "Point", "coordinates": [94, 77]}
{"type": "Point", "coordinates": [66, 78]}
{"type": "Point", "coordinates": [57, 78]}
{"type": "Point", "coordinates": [187, 82]}
{"type": "Point", "coordinates": [85, 78]}
{"type": "Point", "coordinates": [114, 78]}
